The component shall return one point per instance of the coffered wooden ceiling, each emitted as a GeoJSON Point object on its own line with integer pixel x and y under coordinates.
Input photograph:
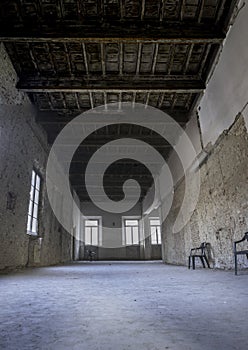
{"type": "Point", "coordinates": [74, 55]}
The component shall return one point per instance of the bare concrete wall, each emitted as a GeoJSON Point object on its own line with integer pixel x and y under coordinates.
{"type": "Point", "coordinates": [22, 147]}
{"type": "Point", "coordinates": [221, 215]}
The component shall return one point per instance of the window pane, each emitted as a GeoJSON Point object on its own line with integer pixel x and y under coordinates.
{"type": "Point", "coordinates": [91, 222]}
{"type": "Point", "coordinates": [32, 222]}
{"type": "Point", "coordinates": [87, 235]}
{"type": "Point", "coordinates": [131, 222]}
{"type": "Point", "coordinates": [159, 235]}
{"type": "Point", "coordinates": [135, 235]}
{"type": "Point", "coordinates": [30, 208]}
{"type": "Point", "coordinates": [34, 225]}
{"type": "Point", "coordinates": [94, 231]}
{"type": "Point", "coordinates": [35, 211]}
{"type": "Point", "coordinates": [129, 236]}
{"type": "Point", "coordinates": [29, 223]}
{"type": "Point", "coordinates": [155, 222]}
{"type": "Point", "coordinates": [153, 235]}
{"type": "Point", "coordinates": [32, 193]}
{"type": "Point", "coordinates": [36, 196]}
{"type": "Point", "coordinates": [33, 178]}
{"type": "Point", "coordinates": [37, 182]}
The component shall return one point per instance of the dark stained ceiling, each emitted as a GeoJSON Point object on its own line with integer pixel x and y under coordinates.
{"type": "Point", "coordinates": [74, 55]}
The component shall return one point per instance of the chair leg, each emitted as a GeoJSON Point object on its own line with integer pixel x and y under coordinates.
{"type": "Point", "coordinates": [193, 262]}
{"type": "Point", "coordinates": [202, 260]}
{"type": "Point", "coordinates": [189, 262]}
{"type": "Point", "coordinates": [235, 260]}
{"type": "Point", "coordinates": [207, 262]}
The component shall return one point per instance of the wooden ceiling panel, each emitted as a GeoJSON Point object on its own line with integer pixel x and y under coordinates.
{"type": "Point", "coordinates": [112, 59]}
{"type": "Point", "coordinates": [46, 12]}
{"type": "Point", "coordinates": [57, 100]}
{"type": "Point", "coordinates": [112, 97]}
{"type": "Point", "coordinates": [94, 59]}
{"type": "Point", "coordinates": [171, 9]}
{"type": "Point", "coordinates": [111, 8]}
{"type": "Point", "coordinates": [163, 58]}
{"type": "Point", "coordinates": [74, 55]}
{"type": "Point", "coordinates": [132, 9]}
{"type": "Point", "coordinates": [130, 58]}
{"type": "Point", "coordinates": [128, 97]}
{"type": "Point", "coordinates": [146, 59]}
{"type": "Point", "coordinates": [179, 59]}
{"type": "Point", "coordinates": [151, 9]}
{"type": "Point", "coordinates": [83, 100]}
{"type": "Point", "coordinates": [98, 99]}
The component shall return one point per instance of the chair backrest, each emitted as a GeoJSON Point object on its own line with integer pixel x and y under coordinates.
{"type": "Point", "coordinates": [245, 237]}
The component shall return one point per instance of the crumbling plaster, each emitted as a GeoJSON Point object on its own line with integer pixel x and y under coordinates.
{"type": "Point", "coordinates": [23, 146]}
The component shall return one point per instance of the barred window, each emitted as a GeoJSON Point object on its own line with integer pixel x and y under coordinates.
{"type": "Point", "coordinates": [34, 199]}
{"type": "Point", "coordinates": [155, 230]}
{"type": "Point", "coordinates": [131, 228]}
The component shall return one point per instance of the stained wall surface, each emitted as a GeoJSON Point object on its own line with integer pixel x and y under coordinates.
{"type": "Point", "coordinates": [221, 214]}
{"type": "Point", "coordinates": [23, 147]}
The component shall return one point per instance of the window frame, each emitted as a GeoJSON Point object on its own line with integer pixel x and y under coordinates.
{"type": "Point", "coordinates": [124, 239]}
{"type": "Point", "coordinates": [99, 226]}
{"type": "Point", "coordinates": [34, 202]}
{"type": "Point", "coordinates": [157, 234]}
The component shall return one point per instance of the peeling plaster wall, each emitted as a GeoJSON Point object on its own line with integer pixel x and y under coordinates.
{"type": "Point", "coordinates": [23, 146]}
{"type": "Point", "coordinates": [221, 215]}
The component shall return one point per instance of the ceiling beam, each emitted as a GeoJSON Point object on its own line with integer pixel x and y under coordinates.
{"type": "Point", "coordinates": [53, 118]}
{"type": "Point", "coordinates": [117, 187]}
{"type": "Point", "coordinates": [84, 197]}
{"type": "Point", "coordinates": [77, 176]}
{"type": "Point", "coordinates": [37, 84]}
{"type": "Point", "coordinates": [109, 184]}
{"type": "Point", "coordinates": [100, 142]}
{"type": "Point", "coordinates": [116, 32]}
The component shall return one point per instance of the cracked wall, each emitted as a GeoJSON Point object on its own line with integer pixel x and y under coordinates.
{"type": "Point", "coordinates": [221, 215]}
{"type": "Point", "coordinates": [23, 146]}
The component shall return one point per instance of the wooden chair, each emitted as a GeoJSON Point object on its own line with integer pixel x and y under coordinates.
{"type": "Point", "coordinates": [239, 252]}
{"type": "Point", "coordinates": [199, 252]}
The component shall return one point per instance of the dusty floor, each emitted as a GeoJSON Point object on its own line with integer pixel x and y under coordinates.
{"type": "Point", "coordinates": [123, 306]}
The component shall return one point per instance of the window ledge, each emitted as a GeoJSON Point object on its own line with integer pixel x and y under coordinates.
{"type": "Point", "coordinates": [33, 235]}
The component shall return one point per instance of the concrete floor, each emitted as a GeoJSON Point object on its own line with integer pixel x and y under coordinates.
{"type": "Point", "coordinates": [123, 306]}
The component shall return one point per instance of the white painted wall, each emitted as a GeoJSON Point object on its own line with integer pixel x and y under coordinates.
{"type": "Point", "coordinates": [227, 92]}
{"type": "Point", "coordinates": [113, 221]}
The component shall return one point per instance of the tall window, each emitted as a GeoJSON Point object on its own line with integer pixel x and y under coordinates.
{"type": "Point", "coordinates": [131, 228]}
{"type": "Point", "coordinates": [33, 209]}
{"type": "Point", "coordinates": [155, 230]}
{"type": "Point", "coordinates": [91, 232]}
